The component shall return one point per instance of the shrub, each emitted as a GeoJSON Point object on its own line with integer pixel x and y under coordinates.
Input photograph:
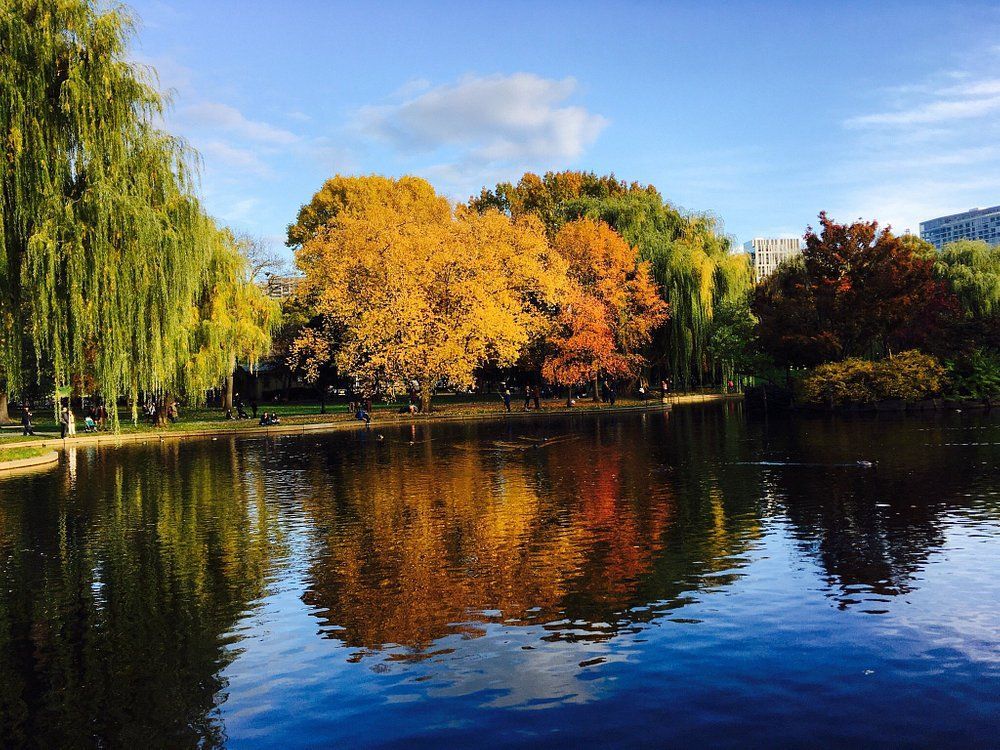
{"type": "Point", "coordinates": [976, 375]}
{"type": "Point", "coordinates": [848, 381]}
{"type": "Point", "coordinates": [910, 376]}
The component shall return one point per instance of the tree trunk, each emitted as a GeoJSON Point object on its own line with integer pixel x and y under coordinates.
{"type": "Point", "coordinates": [163, 405]}
{"type": "Point", "coordinates": [597, 390]}
{"type": "Point", "coordinates": [227, 396]}
{"type": "Point", "coordinates": [322, 400]}
{"type": "Point", "coordinates": [4, 413]}
{"type": "Point", "coordinates": [426, 392]}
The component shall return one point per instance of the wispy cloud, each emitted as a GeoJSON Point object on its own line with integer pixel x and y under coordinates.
{"type": "Point", "coordinates": [933, 152]}
{"type": "Point", "coordinates": [508, 119]}
{"type": "Point", "coordinates": [241, 159]}
{"type": "Point", "coordinates": [223, 118]}
{"type": "Point", "coordinates": [965, 101]}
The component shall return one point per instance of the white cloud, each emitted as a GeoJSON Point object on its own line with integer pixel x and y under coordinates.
{"type": "Point", "coordinates": [933, 152]}
{"type": "Point", "coordinates": [965, 101]}
{"type": "Point", "coordinates": [518, 119]}
{"type": "Point", "coordinates": [229, 120]}
{"type": "Point", "coordinates": [233, 157]}
{"type": "Point", "coordinates": [239, 210]}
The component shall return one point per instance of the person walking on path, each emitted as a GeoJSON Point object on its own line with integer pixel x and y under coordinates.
{"type": "Point", "coordinates": [26, 420]}
{"type": "Point", "coordinates": [610, 390]}
{"type": "Point", "coordinates": [63, 422]}
{"type": "Point", "coordinates": [506, 399]}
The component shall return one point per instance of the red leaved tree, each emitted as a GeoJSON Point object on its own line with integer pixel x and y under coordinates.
{"type": "Point", "coordinates": [857, 291]}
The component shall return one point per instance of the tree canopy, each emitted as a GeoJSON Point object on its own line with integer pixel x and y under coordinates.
{"type": "Point", "coordinates": [612, 307]}
{"type": "Point", "coordinates": [690, 259]}
{"type": "Point", "coordinates": [857, 291]}
{"type": "Point", "coordinates": [422, 292]}
{"type": "Point", "coordinates": [972, 270]}
{"type": "Point", "coordinates": [105, 250]}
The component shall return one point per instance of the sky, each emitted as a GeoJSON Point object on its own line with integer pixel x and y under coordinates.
{"type": "Point", "coordinates": [762, 114]}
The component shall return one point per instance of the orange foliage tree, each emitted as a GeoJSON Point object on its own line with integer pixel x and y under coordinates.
{"type": "Point", "coordinates": [611, 308]}
{"type": "Point", "coordinates": [418, 291]}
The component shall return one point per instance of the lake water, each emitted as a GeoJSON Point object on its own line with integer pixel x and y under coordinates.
{"type": "Point", "coordinates": [697, 578]}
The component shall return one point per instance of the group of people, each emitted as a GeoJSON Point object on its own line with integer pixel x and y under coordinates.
{"type": "Point", "coordinates": [95, 418]}
{"type": "Point", "coordinates": [607, 391]}
{"type": "Point", "coordinates": [532, 393]}
{"type": "Point", "coordinates": [269, 420]}
{"type": "Point", "coordinates": [241, 409]}
{"type": "Point", "coordinates": [152, 411]}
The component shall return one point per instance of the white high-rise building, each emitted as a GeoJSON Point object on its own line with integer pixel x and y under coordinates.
{"type": "Point", "coordinates": [767, 253]}
{"type": "Point", "coordinates": [975, 224]}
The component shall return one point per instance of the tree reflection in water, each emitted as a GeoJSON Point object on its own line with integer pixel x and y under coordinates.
{"type": "Point", "coordinates": [872, 530]}
{"type": "Point", "coordinates": [582, 529]}
{"type": "Point", "coordinates": [503, 561]}
{"type": "Point", "coordinates": [120, 595]}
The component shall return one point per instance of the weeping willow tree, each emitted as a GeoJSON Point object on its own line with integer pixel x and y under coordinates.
{"type": "Point", "coordinates": [971, 269]}
{"type": "Point", "coordinates": [233, 321]}
{"type": "Point", "coordinates": [104, 248]}
{"type": "Point", "coordinates": [691, 258]}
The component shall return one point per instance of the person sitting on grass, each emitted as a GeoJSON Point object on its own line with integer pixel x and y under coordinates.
{"type": "Point", "coordinates": [363, 416]}
{"type": "Point", "coordinates": [263, 420]}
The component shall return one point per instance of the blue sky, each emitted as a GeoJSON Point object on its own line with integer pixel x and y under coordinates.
{"type": "Point", "coordinates": [763, 114]}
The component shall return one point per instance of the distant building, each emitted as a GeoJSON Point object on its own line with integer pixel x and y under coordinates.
{"type": "Point", "coordinates": [975, 224]}
{"type": "Point", "coordinates": [767, 253]}
{"type": "Point", "coordinates": [281, 287]}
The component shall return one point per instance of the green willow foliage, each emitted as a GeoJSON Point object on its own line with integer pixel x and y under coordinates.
{"type": "Point", "coordinates": [690, 256]}
{"type": "Point", "coordinates": [972, 270]}
{"type": "Point", "coordinates": [106, 255]}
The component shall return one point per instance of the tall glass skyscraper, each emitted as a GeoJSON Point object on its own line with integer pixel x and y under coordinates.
{"type": "Point", "coordinates": [977, 224]}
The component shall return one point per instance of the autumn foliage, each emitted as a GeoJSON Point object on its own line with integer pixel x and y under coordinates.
{"type": "Point", "coordinates": [908, 376]}
{"type": "Point", "coordinates": [416, 290]}
{"type": "Point", "coordinates": [856, 292]}
{"type": "Point", "coordinates": [419, 291]}
{"type": "Point", "coordinates": [610, 310]}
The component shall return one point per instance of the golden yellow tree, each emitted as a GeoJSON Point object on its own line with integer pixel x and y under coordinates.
{"type": "Point", "coordinates": [419, 291]}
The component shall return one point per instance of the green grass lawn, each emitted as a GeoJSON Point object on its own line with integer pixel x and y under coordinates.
{"type": "Point", "coordinates": [14, 436]}
{"type": "Point", "coordinates": [196, 419]}
{"type": "Point", "coordinates": [16, 454]}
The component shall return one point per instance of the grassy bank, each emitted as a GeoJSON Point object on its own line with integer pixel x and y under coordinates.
{"type": "Point", "coordinates": [19, 453]}
{"type": "Point", "coordinates": [203, 420]}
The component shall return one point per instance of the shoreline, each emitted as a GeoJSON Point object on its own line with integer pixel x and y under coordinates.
{"type": "Point", "coordinates": [113, 439]}
{"type": "Point", "coordinates": [45, 459]}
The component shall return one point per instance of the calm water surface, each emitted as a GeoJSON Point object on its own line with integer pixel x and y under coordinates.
{"type": "Point", "coordinates": [699, 578]}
